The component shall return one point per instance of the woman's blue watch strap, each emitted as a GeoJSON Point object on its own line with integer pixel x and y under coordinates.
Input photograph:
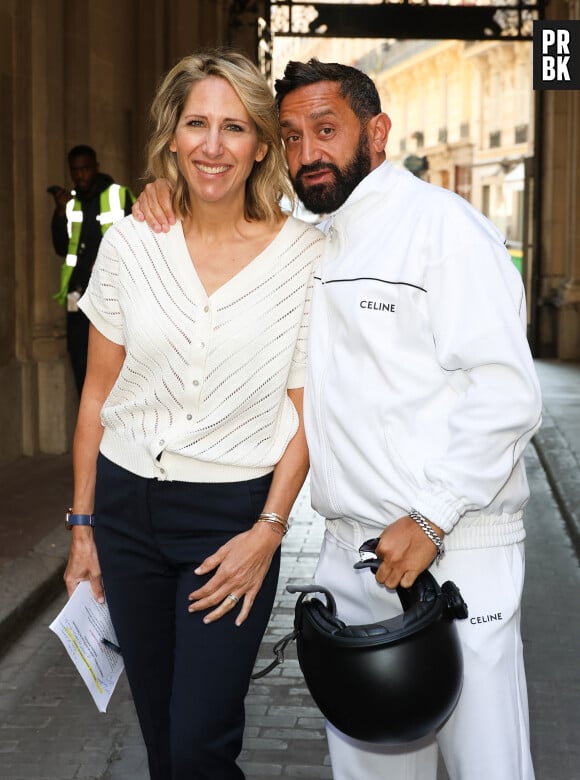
{"type": "Point", "coordinates": [73, 518]}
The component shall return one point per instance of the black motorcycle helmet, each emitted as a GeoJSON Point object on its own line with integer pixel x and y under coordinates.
{"type": "Point", "coordinates": [393, 681]}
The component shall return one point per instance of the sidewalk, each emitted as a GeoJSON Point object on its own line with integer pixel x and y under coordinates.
{"type": "Point", "coordinates": [34, 493]}
{"type": "Point", "coordinates": [33, 541]}
{"type": "Point", "coordinates": [558, 440]}
{"type": "Point", "coordinates": [43, 697]}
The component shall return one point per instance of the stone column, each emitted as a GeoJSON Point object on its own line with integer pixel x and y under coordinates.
{"type": "Point", "coordinates": [559, 288]}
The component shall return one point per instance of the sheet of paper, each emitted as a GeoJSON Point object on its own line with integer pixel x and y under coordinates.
{"type": "Point", "coordinates": [81, 626]}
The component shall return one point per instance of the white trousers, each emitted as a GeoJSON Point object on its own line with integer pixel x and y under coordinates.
{"type": "Point", "coordinates": [487, 736]}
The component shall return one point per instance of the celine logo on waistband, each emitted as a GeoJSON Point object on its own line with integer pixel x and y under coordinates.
{"type": "Point", "coordinates": [486, 618]}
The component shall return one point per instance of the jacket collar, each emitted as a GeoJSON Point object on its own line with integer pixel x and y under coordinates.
{"type": "Point", "coordinates": [378, 181]}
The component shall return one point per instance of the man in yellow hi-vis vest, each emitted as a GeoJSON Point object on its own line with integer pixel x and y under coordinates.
{"type": "Point", "coordinates": [80, 220]}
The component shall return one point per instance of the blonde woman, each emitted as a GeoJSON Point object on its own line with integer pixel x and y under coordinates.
{"type": "Point", "coordinates": [189, 449]}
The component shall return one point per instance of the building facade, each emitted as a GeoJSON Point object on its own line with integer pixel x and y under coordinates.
{"type": "Point", "coordinates": [463, 119]}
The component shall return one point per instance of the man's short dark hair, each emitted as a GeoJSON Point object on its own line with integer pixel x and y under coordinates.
{"type": "Point", "coordinates": [82, 149]}
{"type": "Point", "coordinates": [354, 85]}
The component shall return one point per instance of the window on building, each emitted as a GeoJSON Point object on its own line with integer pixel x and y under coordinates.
{"type": "Point", "coordinates": [522, 93]}
{"type": "Point", "coordinates": [496, 105]}
{"type": "Point", "coordinates": [444, 106]}
{"type": "Point", "coordinates": [521, 134]}
{"type": "Point", "coordinates": [486, 199]}
{"type": "Point", "coordinates": [463, 181]}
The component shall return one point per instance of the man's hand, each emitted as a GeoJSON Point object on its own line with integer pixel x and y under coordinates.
{"type": "Point", "coordinates": [154, 206]}
{"type": "Point", "coordinates": [405, 551]}
{"type": "Point", "coordinates": [61, 198]}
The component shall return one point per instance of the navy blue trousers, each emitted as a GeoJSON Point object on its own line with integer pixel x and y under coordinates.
{"type": "Point", "coordinates": [188, 680]}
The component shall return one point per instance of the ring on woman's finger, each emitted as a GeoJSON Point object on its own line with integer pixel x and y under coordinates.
{"type": "Point", "coordinates": [233, 598]}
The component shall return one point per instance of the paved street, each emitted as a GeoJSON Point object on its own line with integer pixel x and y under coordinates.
{"type": "Point", "coordinates": [50, 728]}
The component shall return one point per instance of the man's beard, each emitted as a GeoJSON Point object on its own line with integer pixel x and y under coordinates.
{"type": "Point", "coordinates": [325, 198]}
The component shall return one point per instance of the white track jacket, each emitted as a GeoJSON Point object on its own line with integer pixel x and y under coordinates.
{"type": "Point", "coordinates": [421, 390]}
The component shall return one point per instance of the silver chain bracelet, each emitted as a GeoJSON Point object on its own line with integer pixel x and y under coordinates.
{"type": "Point", "coordinates": [424, 525]}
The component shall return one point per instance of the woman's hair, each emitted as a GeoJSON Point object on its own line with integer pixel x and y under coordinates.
{"type": "Point", "coordinates": [268, 182]}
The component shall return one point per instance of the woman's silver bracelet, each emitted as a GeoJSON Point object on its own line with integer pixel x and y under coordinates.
{"type": "Point", "coordinates": [275, 520]}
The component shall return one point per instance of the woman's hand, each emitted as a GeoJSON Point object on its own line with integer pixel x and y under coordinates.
{"type": "Point", "coordinates": [83, 563]}
{"type": "Point", "coordinates": [241, 565]}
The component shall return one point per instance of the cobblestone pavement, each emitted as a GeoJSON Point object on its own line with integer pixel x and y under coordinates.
{"type": "Point", "coordinates": [51, 730]}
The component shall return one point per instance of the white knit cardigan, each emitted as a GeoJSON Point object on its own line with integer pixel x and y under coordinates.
{"type": "Point", "coordinates": [201, 396]}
